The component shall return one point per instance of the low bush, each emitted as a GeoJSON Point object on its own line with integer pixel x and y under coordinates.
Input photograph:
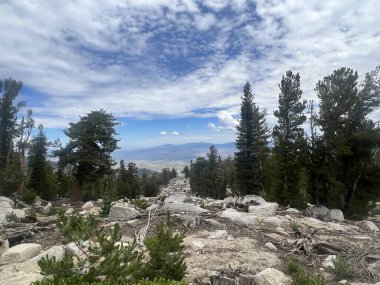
{"type": "Point", "coordinates": [105, 258]}
{"type": "Point", "coordinates": [301, 277]}
{"type": "Point", "coordinates": [12, 218]}
{"type": "Point", "coordinates": [341, 268]}
{"type": "Point", "coordinates": [79, 281]}
{"type": "Point", "coordinates": [140, 203]}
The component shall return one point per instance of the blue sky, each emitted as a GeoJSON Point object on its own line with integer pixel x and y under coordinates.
{"type": "Point", "coordinates": [173, 71]}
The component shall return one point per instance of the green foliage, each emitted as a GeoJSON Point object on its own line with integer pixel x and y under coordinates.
{"type": "Point", "coordinates": [251, 143]}
{"type": "Point", "coordinates": [341, 267]}
{"type": "Point", "coordinates": [9, 90]}
{"type": "Point", "coordinates": [206, 176]}
{"type": "Point", "coordinates": [79, 281]}
{"type": "Point", "coordinates": [289, 140]}
{"type": "Point", "coordinates": [115, 263]}
{"type": "Point", "coordinates": [186, 171]}
{"type": "Point", "coordinates": [301, 277]}
{"type": "Point", "coordinates": [92, 140]}
{"type": "Point", "coordinates": [294, 226]}
{"type": "Point", "coordinates": [165, 252]}
{"type": "Point", "coordinates": [9, 178]}
{"type": "Point", "coordinates": [28, 196]}
{"type": "Point", "coordinates": [140, 203]}
{"type": "Point", "coordinates": [12, 218]}
{"type": "Point", "coordinates": [104, 256]}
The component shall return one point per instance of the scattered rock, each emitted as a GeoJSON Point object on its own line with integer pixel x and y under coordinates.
{"type": "Point", "coordinates": [4, 244]}
{"type": "Point", "coordinates": [9, 201]}
{"type": "Point", "coordinates": [292, 211]}
{"type": "Point", "coordinates": [264, 210]}
{"type": "Point", "coordinates": [57, 251]}
{"type": "Point", "coordinates": [88, 205]}
{"type": "Point", "coordinates": [273, 222]}
{"type": "Point", "coordinates": [46, 209]}
{"type": "Point", "coordinates": [43, 221]}
{"type": "Point", "coordinates": [183, 207]}
{"type": "Point", "coordinates": [73, 250]}
{"type": "Point", "coordinates": [319, 211]}
{"type": "Point", "coordinates": [69, 212]}
{"type": "Point", "coordinates": [368, 226]}
{"type": "Point", "coordinates": [198, 244]}
{"type": "Point", "coordinates": [123, 212]}
{"type": "Point", "coordinates": [271, 246]}
{"type": "Point", "coordinates": [220, 234]}
{"type": "Point", "coordinates": [30, 212]}
{"type": "Point", "coordinates": [335, 215]}
{"type": "Point", "coordinates": [178, 198]}
{"type": "Point", "coordinates": [329, 262]}
{"type": "Point", "coordinates": [271, 276]}
{"type": "Point", "coordinates": [253, 200]}
{"type": "Point", "coordinates": [20, 253]}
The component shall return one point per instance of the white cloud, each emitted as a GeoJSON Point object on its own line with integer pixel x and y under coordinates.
{"type": "Point", "coordinates": [175, 133]}
{"type": "Point", "coordinates": [99, 54]}
{"type": "Point", "coordinates": [163, 133]}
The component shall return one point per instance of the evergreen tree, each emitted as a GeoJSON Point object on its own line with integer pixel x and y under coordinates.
{"type": "Point", "coordinates": [173, 173]}
{"type": "Point", "coordinates": [198, 180]}
{"type": "Point", "coordinates": [289, 139]}
{"type": "Point", "coordinates": [92, 140]}
{"type": "Point", "coordinates": [216, 185]}
{"type": "Point", "coordinates": [186, 171]}
{"type": "Point", "coordinates": [133, 180]}
{"type": "Point", "coordinates": [9, 90]}
{"type": "Point", "coordinates": [349, 136]}
{"type": "Point", "coordinates": [122, 186]}
{"type": "Point", "coordinates": [252, 135]}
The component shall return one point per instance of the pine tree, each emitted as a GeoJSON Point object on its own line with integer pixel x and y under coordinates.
{"type": "Point", "coordinates": [122, 186]}
{"type": "Point", "coordinates": [216, 185]}
{"type": "Point", "coordinates": [252, 135]}
{"type": "Point", "coordinates": [186, 171]}
{"type": "Point", "coordinates": [349, 136]}
{"type": "Point", "coordinates": [92, 140]}
{"type": "Point", "coordinates": [9, 90]}
{"type": "Point", "coordinates": [133, 180]}
{"type": "Point", "coordinates": [289, 139]}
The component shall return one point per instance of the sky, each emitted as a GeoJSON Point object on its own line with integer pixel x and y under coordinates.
{"type": "Point", "coordinates": [173, 71]}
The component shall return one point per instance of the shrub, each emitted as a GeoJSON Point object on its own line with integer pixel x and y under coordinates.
{"type": "Point", "coordinates": [341, 268]}
{"type": "Point", "coordinates": [79, 281]}
{"type": "Point", "coordinates": [140, 203]}
{"type": "Point", "coordinates": [105, 257]}
{"type": "Point", "coordinates": [12, 218]}
{"type": "Point", "coordinates": [301, 277]}
{"type": "Point", "coordinates": [165, 252]}
{"type": "Point", "coordinates": [28, 196]}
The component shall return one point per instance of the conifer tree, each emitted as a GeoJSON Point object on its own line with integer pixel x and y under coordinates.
{"type": "Point", "coordinates": [122, 186]}
{"type": "Point", "coordinates": [92, 140]}
{"type": "Point", "coordinates": [9, 90]}
{"type": "Point", "coordinates": [349, 136]}
{"type": "Point", "coordinates": [252, 134]}
{"type": "Point", "coordinates": [133, 180]}
{"type": "Point", "coordinates": [289, 139]}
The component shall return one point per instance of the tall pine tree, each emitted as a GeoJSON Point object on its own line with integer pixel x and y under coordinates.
{"type": "Point", "coordinates": [252, 134]}
{"type": "Point", "coordinates": [289, 139]}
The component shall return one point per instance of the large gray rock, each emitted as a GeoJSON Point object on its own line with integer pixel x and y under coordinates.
{"type": "Point", "coordinates": [177, 197]}
{"type": "Point", "coordinates": [20, 253]}
{"type": "Point", "coordinates": [272, 222]}
{"type": "Point", "coordinates": [271, 276]}
{"type": "Point", "coordinates": [253, 199]}
{"type": "Point", "coordinates": [183, 207]}
{"type": "Point", "coordinates": [123, 212]}
{"type": "Point", "coordinates": [4, 244]}
{"type": "Point", "coordinates": [243, 219]}
{"type": "Point", "coordinates": [5, 207]}
{"type": "Point", "coordinates": [368, 226]}
{"type": "Point", "coordinates": [87, 205]}
{"type": "Point", "coordinates": [319, 211]}
{"type": "Point", "coordinates": [57, 251]}
{"type": "Point", "coordinates": [335, 215]}
{"type": "Point", "coordinates": [264, 210]}
{"type": "Point", "coordinates": [10, 202]}
{"type": "Point", "coordinates": [220, 234]}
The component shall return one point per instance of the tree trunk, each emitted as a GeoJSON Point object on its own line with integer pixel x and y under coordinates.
{"type": "Point", "coordinates": [351, 193]}
{"type": "Point", "coordinates": [21, 182]}
{"type": "Point", "coordinates": [77, 189]}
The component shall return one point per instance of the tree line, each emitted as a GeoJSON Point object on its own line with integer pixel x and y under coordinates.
{"type": "Point", "coordinates": [334, 162]}
{"type": "Point", "coordinates": [85, 168]}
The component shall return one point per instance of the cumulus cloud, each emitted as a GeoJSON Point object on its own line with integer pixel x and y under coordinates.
{"type": "Point", "coordinates": [175, 133]}
{"type": "Point", "coordinates": [163, 133]}
{"type": "Point", "coordinates": [147, 59]}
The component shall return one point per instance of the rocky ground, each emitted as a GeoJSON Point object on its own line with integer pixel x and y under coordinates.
{"type": "Point", "coordinates": [232, 241]}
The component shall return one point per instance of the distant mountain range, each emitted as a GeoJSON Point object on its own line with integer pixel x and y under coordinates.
{"type": "Point", "coordinates": [170, 152]}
